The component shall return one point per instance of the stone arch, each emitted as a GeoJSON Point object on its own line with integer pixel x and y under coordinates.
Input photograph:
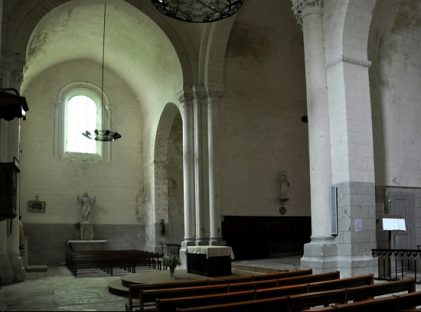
{"type": "Point", "coordinates": [346, 37]}
{"type": "Point", "coordinates": [212, 54]}
{"type": "Point", "coordinates": [23, 18]}
{"type": "Point", "coordinates": [168, 175]}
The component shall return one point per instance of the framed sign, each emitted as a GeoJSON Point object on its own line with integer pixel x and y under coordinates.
{"type": "Point", "coordinates": [393, 224]}
{"type": "Point", "coordinates": [36, 206]}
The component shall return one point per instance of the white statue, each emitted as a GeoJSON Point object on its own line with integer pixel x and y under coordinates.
{"type": "Point", "coordinates": [87, 203]}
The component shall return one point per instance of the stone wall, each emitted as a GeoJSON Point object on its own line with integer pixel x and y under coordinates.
{"type": "Point", "coordinates": [47, 241]}
{"type": "Point", "coordinates": [262, 133]}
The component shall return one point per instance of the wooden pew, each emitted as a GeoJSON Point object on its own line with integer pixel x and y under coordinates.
{"type": "Point", "coordinates": [316, 286]}
{"type": "Point", "coordinates": [347, 282]}
{"type": "Point", "coordinates": [170, 304]}
{"type": "Point", "coordinates": [150, 296]}
{"type": "Point", "coordinates": [300, 301]}
{"type": "Point", "coordinates": [108, 259]}
{"type": "Point", "coordinates": [386, 304]}
{"type": "Point", "coordinates": [135, 290]}
{"type": "Point", "coordinates": [367, 292]}
{"type": "Point", "coordinates": [364, 296]}
{"type": "Point", "coordinates": [309, 278]}
{"type": "Point", "coordinates": [285, 303]}
{"type": "Point", "coordinates": [326, 297]}
{"type": "Point", "coordinates": [408, 302]}
{"type": "Point", "coordinates": [258, 277]}
{"type": "Point", "coordinates": [262, 305]}
{"type": "Point", "coordinates": [402, 303]}
{"type": "Point", "coordinates": [147, 296]}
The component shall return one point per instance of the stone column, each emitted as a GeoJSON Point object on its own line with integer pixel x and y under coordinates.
{"type": "Point", "coordinates": [213, 151]}
{"type": "Point", "coordinates": [320, 254]}
{"type": "Point", "coordinates": [353, 163]}
{"type": "Point", "coordinates": [11, 77]}
{"type": "Point", "coordinates": [15, 258]}
{"type": "Point", "coordinates": [200, 163]}
{"type": "Point", "coordinates": [186, 100]}
{"type": "Point", "coordinates": [6, 271]}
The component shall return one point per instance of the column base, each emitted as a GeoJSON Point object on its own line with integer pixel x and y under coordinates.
{"type": "Point", "coordinates": [320, 255]}
{"type": "Point", "coordinates": [202, 242]}
{"type": "Point", "coordinates": [351, 266]}
{"type": "Point", "coordinates": [183, 249]}
{"type": "Point", "coordinates": [6, 272]}
{"type": "Point", "coordinates": [217, 241]}
{"type": "Point", "coordinates": [17, 267]}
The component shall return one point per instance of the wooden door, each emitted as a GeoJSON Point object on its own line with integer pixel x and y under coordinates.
{"type": "Point", "coordinates": [403, 204]}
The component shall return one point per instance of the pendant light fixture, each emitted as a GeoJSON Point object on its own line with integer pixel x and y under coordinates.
{"type": "Point", "coordinates": [106, 135]}
{"type": "Point", "coordinates": [198, 11]}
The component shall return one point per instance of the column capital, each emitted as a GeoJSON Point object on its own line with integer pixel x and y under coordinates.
{"type": "Point", "coordinates": [346, 59]}
{"type": "Point", "coordinates": [11, 71]}
{"type": "Point", "coordinates": [303, 7]}
{"type": "Point", "coordinates": [215, 93]}
{"type": "Point", "coordinates": [185, 97]}
{"type": "Point", "coordinates": [199, 92]}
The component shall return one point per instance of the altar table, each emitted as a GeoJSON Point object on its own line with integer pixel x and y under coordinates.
{"type": "Point", "coordinates": [209, 260]}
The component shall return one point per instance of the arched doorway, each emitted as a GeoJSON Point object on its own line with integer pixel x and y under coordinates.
{"type": "Point", "coordinates": [168, 168]}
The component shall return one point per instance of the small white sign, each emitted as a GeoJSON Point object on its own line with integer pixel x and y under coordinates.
{"type": "Point", "coordinates": [394, 224]}
{"type": "Point", "coordinates": [358, 225]}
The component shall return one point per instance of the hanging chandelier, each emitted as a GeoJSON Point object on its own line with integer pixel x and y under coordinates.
{"type": "Point", "coordinates": [106, 135]}
{"type": "Point", "coordinates": [198, 11]}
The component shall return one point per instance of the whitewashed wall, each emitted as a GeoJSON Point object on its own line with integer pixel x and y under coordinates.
{"type": "Point", "coordinates": [57, 180]}
{"type": "Point", "coordinates": [395, 78]}
{"type": "Point", "coordinates": [261, 129]}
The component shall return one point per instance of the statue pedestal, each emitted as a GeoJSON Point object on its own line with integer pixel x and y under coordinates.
{"type": "Point", "coordinates": [86, 231]}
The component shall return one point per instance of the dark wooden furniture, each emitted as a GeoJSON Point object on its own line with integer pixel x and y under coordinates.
{"type": "Point", "coordinates": [267, 305]}
{"type": "Point", "coordinates": [337, 294]}
{"type": "Point", "coordinates": [148, 293]}
{"type": "Point", "coordinates": [12, 105]}
{"type": "Point", "coordinates": [214, 266]}
{"type": "Point", "coordinates": [8, 190]}
{"type": "Point", "coordinates": [209, 260]}
{"type": "Point", "coordinates": [231, 284]}
{"type": "Point", "coordinates": [107, 260]}
{"type": "Point", "coordinates": [253, 290]}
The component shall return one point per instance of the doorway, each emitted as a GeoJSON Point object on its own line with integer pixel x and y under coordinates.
{"type": "Point", "coordinates": [402, 204]}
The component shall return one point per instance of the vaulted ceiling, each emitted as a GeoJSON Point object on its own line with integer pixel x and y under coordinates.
{"type": "Point", "coordinates": [136, 49]}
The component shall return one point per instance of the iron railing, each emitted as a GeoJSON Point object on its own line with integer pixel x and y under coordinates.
{"type": "Point", "coordinates": [394, 262]}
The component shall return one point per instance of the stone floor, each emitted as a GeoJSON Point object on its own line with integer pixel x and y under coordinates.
{"type": "Point", "coordinates": [58, 290]}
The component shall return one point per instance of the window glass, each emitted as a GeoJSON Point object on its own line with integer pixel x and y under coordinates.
{"type": "Point", "coordinates": [81, 114]}
{"type": "Point", "coordinates": [81, 108]}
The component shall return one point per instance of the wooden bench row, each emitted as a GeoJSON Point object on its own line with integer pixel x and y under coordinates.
{"type": "Point", "coordinates": [148, 296]}
{"type": "Point", "coordinates": [107, 260]}
{"type": "Point", "coordinates": [303, 301]}
{"type": "Point", "coordinates": [170, 304]}
{"type": "Point", "coordinates": [401, 302]}
{"type": "Point", "coordinates": [150, 292]}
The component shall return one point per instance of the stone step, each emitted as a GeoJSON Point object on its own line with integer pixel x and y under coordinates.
{"type": "Point", "coordinates": [253, 269]}
{"type": "Point", "coordinates": [117, 288]}
{"type": "Point", "coordinates": [37, 268]}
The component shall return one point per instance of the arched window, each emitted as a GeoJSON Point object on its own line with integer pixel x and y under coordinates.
{"type": "Point", "coordinates": [81, 114]}
{"type": "Point", "coordinates": [79, 109]}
